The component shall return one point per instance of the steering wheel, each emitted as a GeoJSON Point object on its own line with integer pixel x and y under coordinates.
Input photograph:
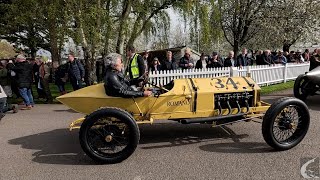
{"type": "Point", "coordinates": [154, 85]}
{"type": "Point", "coordinates": [145, 80]}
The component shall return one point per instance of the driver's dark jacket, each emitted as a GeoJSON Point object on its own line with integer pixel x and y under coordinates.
{"type": "Point", "coordinates": [115, 84]}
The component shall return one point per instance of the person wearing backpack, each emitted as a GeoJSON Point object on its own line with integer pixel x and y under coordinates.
{"type": "Point", "coordinates": [75, 71]}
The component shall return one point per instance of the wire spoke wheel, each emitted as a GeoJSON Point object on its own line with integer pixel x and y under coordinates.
{"type": "Point", "coordinates": [109, 135]}
{"type": "Point", "coordinates": [285, 123]}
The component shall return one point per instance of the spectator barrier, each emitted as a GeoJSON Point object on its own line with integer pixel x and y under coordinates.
{"type": "Point", "coordinates": [264, 75]}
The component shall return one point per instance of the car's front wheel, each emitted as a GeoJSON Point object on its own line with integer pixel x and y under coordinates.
{"type": "Point", "coordinates": [285, 123]}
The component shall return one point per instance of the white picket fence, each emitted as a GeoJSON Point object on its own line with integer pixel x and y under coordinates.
{"type": "Point", "coordinates": [264, 75]}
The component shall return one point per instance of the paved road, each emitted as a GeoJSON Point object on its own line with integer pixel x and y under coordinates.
{"type": "Point", "coordinates": [35, 144]}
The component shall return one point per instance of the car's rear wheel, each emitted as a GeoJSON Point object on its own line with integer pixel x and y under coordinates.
{"type": "Point", "coordinates": [109, 135]}
{"type": "Point", "coordinates": [285, 123]}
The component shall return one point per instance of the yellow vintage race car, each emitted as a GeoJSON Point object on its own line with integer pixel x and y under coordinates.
{"type": "Point", "coordinates": [109, 132]}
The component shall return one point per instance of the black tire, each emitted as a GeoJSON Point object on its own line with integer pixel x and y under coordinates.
{"type": "Point", "coordinates": [286, 123]}
{"type": "Point", "coordinates": [107, 123]}
{"type": "Point", "coordinates": [299, 90]}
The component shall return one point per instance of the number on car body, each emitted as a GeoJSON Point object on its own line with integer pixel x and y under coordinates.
{"type": "Point", "coordinates": [220, 84]}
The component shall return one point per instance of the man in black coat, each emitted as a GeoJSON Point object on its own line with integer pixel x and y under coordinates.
{"type": "Point", "coordinates": [267, 58]}
{"type": "Point", "coordinates": [215, 61]}
{"type": "Point", "coordinates": [170, 63]}
{"type": "Point", "coordinates": [230, 61]}
{"type": "Point", "coordinates": [76, 72]}
{"type": "Point", "coordinates": [243, 60]}
{"type": "Point", "coordinates": [23, 73]}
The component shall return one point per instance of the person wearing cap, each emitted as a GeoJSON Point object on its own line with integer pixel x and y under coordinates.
{"type": "Point", "coordinates": [280, 58]}
{"type": "Point", "coordinates": [23, 74]}
{"type": "Point", "coordinates": [214, 61]}
{"type": "Point", "coordinates": [298, 57]}
{"type": "Point", "coordinates": [76, 72]}
{"type": "Point", "coordinates": [136, 67]}
{"type": "Point", "coordinates": [186, 62]}
{"type": "Point", "coordinates": [44, 73]}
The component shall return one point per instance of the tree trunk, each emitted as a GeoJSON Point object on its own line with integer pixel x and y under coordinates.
{"type": "Point", "coordinates": [123, 24]}
{"type": "Point", "coordinates": [53, 41]}
{"type": "Point", "coordinates": [108, 30]}
{"type": "Point", "coordinates": [286, 47]}
{"type": "Point", "coordinates": [60, 44]}
{"type": "Point", "coordinates": [33, 45]}
{"type": "Point", "coordinates": [33, 50]}
{"type": "Point", "coordinates": [236, 48]}
{"type": "Point", "coordinates": [90, 68]}
{"type": "Point", "coordinates": [86, 65]}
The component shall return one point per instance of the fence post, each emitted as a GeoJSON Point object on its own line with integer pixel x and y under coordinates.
{"type": "Point", "coordinates": [248, 71]}
{"type": "Point", "coordinates": [285, 73]}
{"type": "Point", "coordinates": [234, 71]}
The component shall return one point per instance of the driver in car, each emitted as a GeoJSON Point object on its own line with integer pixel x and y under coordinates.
{"type": "Point", "coordinates": [115, 83]}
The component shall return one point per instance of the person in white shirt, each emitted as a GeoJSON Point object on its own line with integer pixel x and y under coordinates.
{"type": "Point", "coordinates": [4, 106]}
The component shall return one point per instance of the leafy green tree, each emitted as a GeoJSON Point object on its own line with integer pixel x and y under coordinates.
{"type": "Point", "coordinates": [6, 50]}
{"type": "Point", "coordinates": [22, 24]}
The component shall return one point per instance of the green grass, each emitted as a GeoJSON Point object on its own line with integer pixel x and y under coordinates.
{"type": "Point", "coordinates": [277, 87]}
{"type": "Point", "coordinates": [55, 92]}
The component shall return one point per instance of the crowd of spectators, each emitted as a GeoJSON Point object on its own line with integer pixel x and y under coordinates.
{"type": "Point", "coordinates": [19, 75]}
{"type": "Point", "coordinates": [244, 58]}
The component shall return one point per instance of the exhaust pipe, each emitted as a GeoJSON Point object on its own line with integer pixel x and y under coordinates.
{"type": "Point", "coordinates": [211, 119]}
